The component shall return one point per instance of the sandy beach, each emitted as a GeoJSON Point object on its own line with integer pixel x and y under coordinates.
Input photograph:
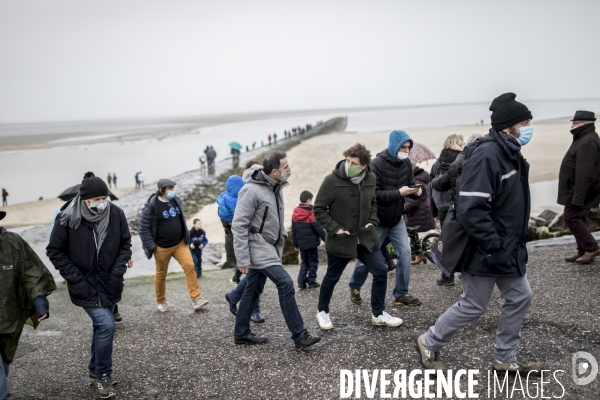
{"type": "Point", "coordinates": [314, 158]}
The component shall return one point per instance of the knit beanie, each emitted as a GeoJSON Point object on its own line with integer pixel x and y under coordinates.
{"type": "Point", "coordinates": [506, 111]}
{"type": "Point", "coordinates": [92, 186]}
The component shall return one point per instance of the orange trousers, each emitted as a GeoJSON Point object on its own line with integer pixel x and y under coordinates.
{"type": "Point", "coordinates": [182, 254]}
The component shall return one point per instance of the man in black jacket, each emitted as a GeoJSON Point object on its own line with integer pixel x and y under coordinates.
{"type": "Point", "coordinates": [90, 246]}
{"type": "Point", "coordinates": [393, 171]}
{"type": "Point", "coordinates": [491, 170]}
{"type": "Point", "coordinates": [579, 185]}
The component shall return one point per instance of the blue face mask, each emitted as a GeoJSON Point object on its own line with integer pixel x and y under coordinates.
{"type": "Point", "coordinates": [526, 134]}
{"type": "Point", "coordinates": [170, 195]}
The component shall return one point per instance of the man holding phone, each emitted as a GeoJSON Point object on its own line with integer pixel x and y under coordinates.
{"type": "Point", "coordinates": [395, 180]}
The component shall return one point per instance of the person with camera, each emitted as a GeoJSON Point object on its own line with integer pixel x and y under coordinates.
{"type": "Point", "coordinates": [198, 241]}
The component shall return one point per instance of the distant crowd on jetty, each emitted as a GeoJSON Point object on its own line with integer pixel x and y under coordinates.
{"type": "Point", "coordinates": [478, 193]}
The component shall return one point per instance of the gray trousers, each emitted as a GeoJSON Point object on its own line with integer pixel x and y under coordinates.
{"type": "Point", "coordinates": [477, 291]}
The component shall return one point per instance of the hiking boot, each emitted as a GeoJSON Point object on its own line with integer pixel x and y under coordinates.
{"type": "Point", "coordinates": [104, 386]}
{"type": "Point", "coordinates": [302, 285]}
{"type": "Point", "coordinates": [250, 338]}
{"type": "Point", "coordinates": [418, 259]}
{"type": "Point", "coordinates": [443, 281]}
{"type": "Point", "coordinates": [117, 317]}
{"type": "Point", "coordinates": [517, 366]}
{"type": "Point", "coordinates": [355, 296]}
{"type": "Point", "coordinates": [574, 257]}
{"type": "Point", "coordinates": [429, 359]}
{"type": "Point", "coordinates": [306, 340]}
{"type": "Point", "coordinates": [257, 318]}
{"type": "Point", "coordinates": [163, 307]}
{"type": "Point", "coordinates": [199, 303]}
{"type": "Point", "coordinates": [391, 265]}
{"type": "Point", "coordinates": [93, 376]}
{"type": "Point", "coordinates": [232, 305]}
{"type": "Point", "coordinates": [324, 321]}
{"type": "Point", "coordinates": [408, 300]}
{"type": "Point", "coordinates": [386, 319]}
{"type": "Point", "coordinates": [587, 257]}
{"type": "Point", "coordinates": [313, 285]}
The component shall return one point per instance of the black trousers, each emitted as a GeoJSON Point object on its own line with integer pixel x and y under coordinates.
{"type": "Point", "coordinates": [576, 220]}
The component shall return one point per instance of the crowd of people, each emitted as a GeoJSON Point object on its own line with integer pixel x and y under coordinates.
{"type": "Point", "coordinates": [363, 203]}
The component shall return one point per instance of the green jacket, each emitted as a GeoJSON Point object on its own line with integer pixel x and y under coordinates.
{"type": "Point", "coordinates": [341, 204]}
{"type": "Point", "coordinates": [23, 277]}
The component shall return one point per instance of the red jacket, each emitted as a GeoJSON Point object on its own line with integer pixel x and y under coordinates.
{"type": "Point", "coordinates": [306, 230]}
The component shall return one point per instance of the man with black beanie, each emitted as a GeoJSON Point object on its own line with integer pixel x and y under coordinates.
{"type": "Point", "coordinates": [579, 185]}
{"type": "Point", "coordinates": [494, 173]}
{"type": "Point", "coordinates": [90, 245]}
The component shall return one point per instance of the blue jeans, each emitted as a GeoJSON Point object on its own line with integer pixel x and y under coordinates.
{"type": "Point", "coordinates": [399, 239]}
{"type": "Point", "coordinates": [373, 262]}
{"type": "Point", "coordinates": [102, 340]}
{"type": "Point", "coordinates": [197, 257]}
{"type": "Point", "coordinates": [308, 266]}
{"type": "Point", "coordinates": [236, 294]}
{"type": "Point", "coordinates": [4, 389]}
{"type": "Point", "coordinates": [285, 288]}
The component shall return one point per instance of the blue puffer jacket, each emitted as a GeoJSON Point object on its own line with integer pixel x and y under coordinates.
{"type": "Point", "coordinates": [490, 169]}
{"type": "Point", "coordinates": [149, 225]}
{"type": "Point", "coordinates": [228, 199]}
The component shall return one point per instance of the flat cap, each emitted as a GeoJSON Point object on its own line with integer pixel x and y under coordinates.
{"type": "Point", "coordinates": [162, 183]}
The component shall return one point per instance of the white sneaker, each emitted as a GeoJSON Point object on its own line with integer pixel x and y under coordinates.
{"type": "Point", "coordinates": [163, 307]}
{"type": "Point", "coordinates": [199, 303]}
{"type": "Point", "coordinates": [324, 321]}
{"type": "Point", "coordinates": [386, 319]}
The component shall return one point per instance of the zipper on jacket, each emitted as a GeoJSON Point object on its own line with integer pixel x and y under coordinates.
{"type": "Point", "coordinates": [262, 225]}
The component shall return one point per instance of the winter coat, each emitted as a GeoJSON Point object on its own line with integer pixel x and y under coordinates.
{"type": "Point", "coordinates": [306, 230]}
{"type": "Point", "coordinates": [94, 278]}
{"type": "Point", "coordinates": [199, 237]}
{"type": "Point", "coordinates": [391, 174]}
{"type": "Point", "coordinates": [417, 210]}
{"type": "Point", "coordinates": [579, 176]}
{"type": "Point", "coordinates": [211, 154]}
{"type": "Point", "coordinates": [149, 225]}
{"type": "Point", "coordinates": [451, 179]}
{"type": "Point", "coordinates": [228, 199]}
{"type": "Point", "coordinates": [341, 204]}
{"type": "Point", "coordinates": [23, 278]}
{"type": "Point", "coordinates": [489, 171]}
{"type": "Point", "coordinates": [441, 200]}
{"type": "Point", "coordinates": [257, 227]}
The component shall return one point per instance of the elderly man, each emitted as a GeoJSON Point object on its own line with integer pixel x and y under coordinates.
{"type": "Point", "coordinates": [494, 172]}
{"type": "Point", "coordinates": [579, 185]}
{"type": "Point", "coordinates": [258, 238]}
{"type": "Point", "coordinates": [24, 284]}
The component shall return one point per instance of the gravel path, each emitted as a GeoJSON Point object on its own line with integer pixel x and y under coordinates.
{"type": "Point", "coordinates": [181, 355]}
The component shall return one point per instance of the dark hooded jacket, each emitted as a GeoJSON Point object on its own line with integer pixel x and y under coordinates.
{"type": "Point", "coordinates": [341, 204]}
{"type": "Point", "coordinates": [149, 225]}
{"type": "Point", "coordinates": [94, 278]}
{"type": "Point", "coordinates": [306, 230]}
{"type": "Point", "coordinates": [579, 177]}
{"type": "Point", "coordinates": [417, 210]}
{"type": "Point", "coordinates": [23, 279]}
{"type": "Point", "coordinates": [441, 199]}
{"type": "Point", "coordinates": [490, 169]}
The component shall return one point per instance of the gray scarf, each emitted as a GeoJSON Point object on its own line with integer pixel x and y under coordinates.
{"type": "Point", "coordinates": [77, 210]}
{"type": "Point", "coordinates": [358, 178]}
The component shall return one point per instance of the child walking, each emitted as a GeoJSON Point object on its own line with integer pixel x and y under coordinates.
{"type": "Point", "coordinates": [307, 234]}
{"type": "Point", "coordinates": [198, 241]}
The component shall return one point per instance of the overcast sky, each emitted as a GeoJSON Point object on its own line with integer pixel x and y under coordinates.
{"type": "Point", "coordinates": [80, 60]}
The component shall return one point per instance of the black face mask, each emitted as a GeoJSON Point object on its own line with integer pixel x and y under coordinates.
{"type": "Point", "coordinates": [579, 129]}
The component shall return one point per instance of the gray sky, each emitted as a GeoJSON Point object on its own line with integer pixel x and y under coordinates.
{"type": "Point", "coordinates": [80, 59]}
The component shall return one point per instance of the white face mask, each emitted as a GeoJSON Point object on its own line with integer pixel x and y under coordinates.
{"type": "Point", "coordinates": [402, 155]}
{"type": "Point", "coordinates": [284, 176]}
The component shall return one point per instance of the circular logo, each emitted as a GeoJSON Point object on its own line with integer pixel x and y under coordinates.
{"type": "Point", "coordinates": [440, 246]}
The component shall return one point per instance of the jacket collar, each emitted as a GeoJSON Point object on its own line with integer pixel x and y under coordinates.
{"type": "Point", "coordinates": [511, 151]}
{"type": "Point", "coordinates": [585, 129]}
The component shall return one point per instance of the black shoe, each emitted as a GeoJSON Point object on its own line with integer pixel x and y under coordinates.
{"type": "Point", "coordinates": [251, 338]}
{"type": "Point", "coordinates": [306, 340]}
{"type": "Point", "coordinates": [232, 305]}
{"type": "Point", "coordinates": [313, 285]}
{"type": "Point", "coordinates": [117, 317]}
{"type": "Point", "coordinates": [443, 281]}
{"type": "Point", "coordinates": [257, 318]}
{"type": "Point", "coordinates": [301, 285]}
{"type": "Point", "coordinates": [391, 265]}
